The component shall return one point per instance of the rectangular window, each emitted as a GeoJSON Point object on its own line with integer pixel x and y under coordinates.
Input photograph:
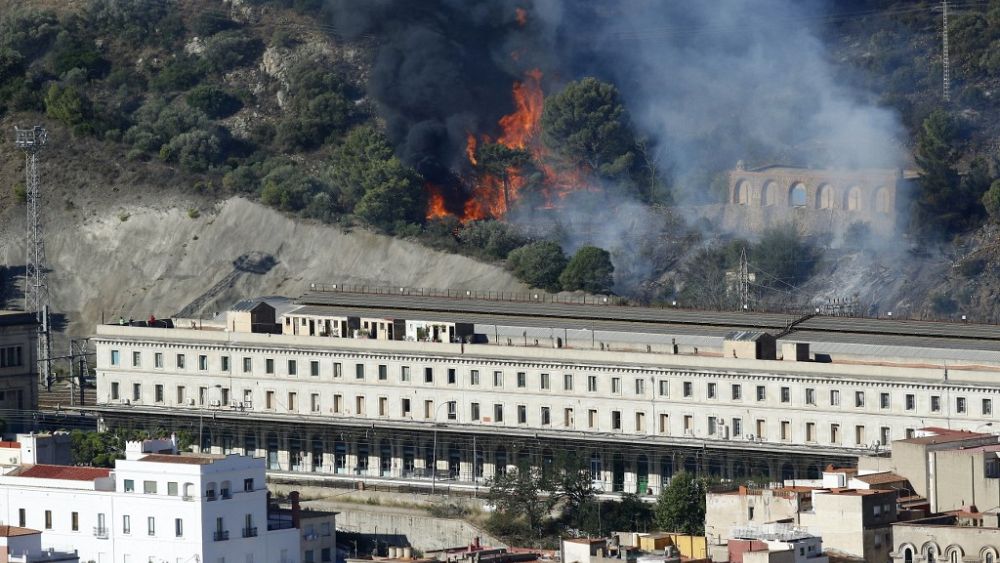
{"type": "Point", "coordinates": [546, 419]}
{"type": "Point", "coordinates": [158, 360]}
{"type": "Point", "coordinates": [452, 376]}
{"type": "Point", "coordinates": [202, 395]}
{"type": "Point", "coordinates": [338, 404]}
{"type": "Point", "coordinates": [247, 365]}
{"type": "Point", "coordinates": [664, 424]}
{"type": "Point", "coordinates": [498, 379]}
{"type": "Point", "coordinates": [136, 391]}
{"type": "Point", "coordinates": [911, 401]}
{"type": "Point", "coordinates": [687, 388]}
{"type": "Point", "coordinates": [383, 406]}
{"type": "Point", "coordinates": [616, 420]}
{"type": "Point", "coordinates": [48, 519]}
{"type": "Point", "coordinates": [313, 368]}
{"type": "Point", "coordinates": [129, 486]}
{"type": "Point", "coordinates": [522, 379]}
{"type": "Point", "coordinates": [172, 488]}
{"type": "Point", "coordinates": [136, 359]}
{"type": "Point", "coordinates": [404, 407]}
{"type": "Point", "coordinates": [737, 427]}
{"type": "Point", "coordinates": [474, 412]}
{"type": "Point", "coordinates": [74, 521]}
{"type": "Point", "coordinates": [960, 405]}
{"type": "Point", "coordinates": [158, 393]}
{"type": "Point", "coordinates": [834, 398]}
{"type": "Point", "coordinates": [359, 371]}
{"type": "Point", "coordinates": [269, 366]}
{"type": "Point", "coordinates": [497, 413]}
{"type": "Point", "coordinates": [616, 385]}
{"type": "Point", "coordinates": [224, 361]}
{"type": "Point", "coordinates": [664, 388]}
{"type": "Point", "coordinates": [114, 390]}
{"type": "Point", "coordinates": [883, 400]}
{"type": "Point", "coordinates": [935, 403]}
{"type": "Point", "coordinates": [126, 524]}
{"type": "Point", "coordinates": [338, 370]}
{"type": "Point", "coordinates": [181, 360]}
{"type": "Point", "coordinates": [786, 395]}
{"type": "Point", "coordinates": [115, 358]}
{"type": "Point", "coordinates": [711, 390]}
{"type": "Point", "coordinates": [640, 422]}
{"type": "Point", "coordinates": [474, 377]}
{"type": "Point", "coordinates": [203, 363]}
{"type": "Point", "coordinates": [885, 435]}
{"type": "Point", "coordinates": [786, 430]}
{"type": "Point", "coordinates": [737, 391]}
{"type": "Point", "coordinates": [567, 381]}
{"type": "Point", "coordinates": [22, 518]}
{"type": "Point", "coordinates": [291, 403]}
{"type": "Point", "coordinates": [151, 525]}
{"type": "Point", "coordinates": [810, 432]}
{"type": "Point", "coordinates": [859, 399]}
{"type": "Point", "coordinates": [149, 487]}
{"type": "Point", "coordinates": [522, 414]}
{"type": "Point", "coordinates": [269, 400]}
{"type": "Point", "coordinates": [688, 424]}
{"type": "Point", "coordinates": [592, 418]}
{"type": "Point", "coordinates": [834, 433]}
{"type": "Point", "coordinates": [761, 392]}
{"type": "Point", "coordinates": [178, 527]}
{"type": "Point", "coordinates": [810, 396]}
{"type": "Point", "coordinates": [314, 402]}
{"type": "Point", "coordinates": [359, 405]}
{"type": "Point", "coordinates": [640, 386]}
{"type": "Point", "coordinates": [428, 409]}
{"type": "Point", "coordinates": [592, 383]}
{"type": "Point", "coordinates": [859, 434]}
{"type": "Point", "coordinates": [987, 406]}
{"type": "Point", "coordinates": [543, 381]}
{"type": "Point", "coordinates": [428, 375]}
{"type": "Point", "coordinates": [568, 421]}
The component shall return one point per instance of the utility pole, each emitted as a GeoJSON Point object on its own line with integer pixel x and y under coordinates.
{"type": "Point", "coordinates": [944, 51]}
{"type": "Point", "coordinates": [744, 281]}
{"type": "Point", "coordinates": [36, 291]}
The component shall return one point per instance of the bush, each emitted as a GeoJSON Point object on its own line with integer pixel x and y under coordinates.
{"type": "Point", "coordinates": [69, 106]}
{"type": "Point", "coordinates": [31, 32]}
{"type": "Point", "coordinates": [538, 264]}
{"type": "Point", "coordinates": [589, 270]}
{"type": "Point", "coordinates": [214, 101]}
{"type": "Point", "coordinates": [230, 49]}
{"type": "Point", "coordinates": [195, 151]}
{"type": "Point", "coordinates": [348, 168]}
{"type": "Point", "coordinates": [11, 64]}
{"type": "Point", "coordinates": [20, 193]}
{"type": "Point", "coordinates": [784, 259]}
{"type": "Point", "coordinates": [943, 304]}
{"type": "Point", "coordinates": [394, 194]}
{"type": "Point", "coordinates": [180, 73]}
{"type": "Point", "coordinates": [70, 52]}
{"type": "Point", "coordinates": [991, 200]}
{"type": "Point", "coordinates": [286, 188]}
{"type": "Point", "coordinates": [210, 22]}
{"type": "Point", "coordinates": [494, 238]}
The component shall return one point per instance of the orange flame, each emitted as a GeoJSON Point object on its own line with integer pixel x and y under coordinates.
{"type": "Point", "coordinates": [521, 15]}
{"type": "Point", "coordinates": [470, 148]}
{"type": "Point", "coordinates": [435, 202]}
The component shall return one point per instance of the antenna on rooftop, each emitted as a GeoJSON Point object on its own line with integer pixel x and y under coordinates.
{"type": "Point", "coordinates": [744, 281]}
{"type": "Point", "coordinates": [36, 291]}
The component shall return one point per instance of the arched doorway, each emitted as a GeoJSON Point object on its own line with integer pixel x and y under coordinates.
{"type": "Point", "coordinates": [797, 195]}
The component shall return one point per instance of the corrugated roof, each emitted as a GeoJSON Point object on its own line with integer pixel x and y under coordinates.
{"type": "Point", "coordinates": [64, 472]}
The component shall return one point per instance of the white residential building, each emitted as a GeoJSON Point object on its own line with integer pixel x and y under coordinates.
{"type": "Point", "coordinates": [153, 507]}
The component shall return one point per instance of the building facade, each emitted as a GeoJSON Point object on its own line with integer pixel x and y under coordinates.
{"type": "Point", "coordinates": [960, 537]}
{"type": "Point", "coordinates": [18, 361]}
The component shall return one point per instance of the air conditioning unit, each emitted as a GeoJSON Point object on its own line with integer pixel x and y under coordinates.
{"type": "Point", "coordinates": [722, 431]}
{"type": "Point", "coordinates": [125, 401]}
{"type": "Point", "coordinates": [191, 402]}
{"type": "Point", "coordinates": [216, 403]}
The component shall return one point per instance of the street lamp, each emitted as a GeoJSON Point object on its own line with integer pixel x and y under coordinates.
{"type": "Point", "coordinates": [434, 469]}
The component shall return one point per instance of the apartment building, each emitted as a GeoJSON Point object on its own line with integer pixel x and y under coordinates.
{"type": "Point", "coordinates": [24, 545]}
{"type": "Point", "coordinates": [18, 365]}
{"type": "Point", "coordinates": [958, 536]}
{"type": "Point", "coordinates": [156, 505]}
{"type": "Point", "coordinates": [639, 393]}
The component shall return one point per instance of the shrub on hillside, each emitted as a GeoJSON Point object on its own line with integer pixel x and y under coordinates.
{"type": "Point", "coordinates": [538, 264]}
{"type": "Point", "coordinates": [70, 52]}
{"type": "Point", "coordinates": [782, 258]}
{"type": "Point", "coordinates": [195, 151]}
{"type": "Point", "coordinates": [214, 101]}
{"type": "Point", "coordinates": [496, 239]}
{"type": "Point", "coordinates": [69, 106]}
{"type": "Point", "coordinates": [180, 73]}
{"type": "Point", "coordinates": [230, 49]}
{"type": "Point", "coordinates": [394, 195]}
{"type": "Point", "coordinates": [589, 270]}
{"type": "Point", "coordinates": [31, 32]}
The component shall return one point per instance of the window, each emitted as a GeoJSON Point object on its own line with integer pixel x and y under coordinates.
{"type": "Point", "coordinates": [129, 486]}
{"type": "Point", "coordinates": [74, 522]}
{"type": "Point", "coordinates": [126, 524]}
{"type": "Point", "coordinates": [546, 418]}
{"type": "Point", "coordinates": [810, 432]}
{"type": "Point", "coordinates": [359, 404]}
{"type": "Point", "coordinates": [522, 379]}
{"type": "Point", "coordinates": [474, 412]}
{"type": "Point", "coordinates": [149, 487]}
{"type": "Point", "coordinates": [428, 375]}
{"type": "Point", "coordinates": [404, 407]}
{"type": "Point", "coordinates": [338, 371]}
{"type": "Point", "coordinates": [640, 386]}
{"type": "Point", "coordinates": [711, 390]}
{"type": "Point", "coordinates": [269, 400]}
{"type": "Point", "coordinates": [522, 414]}
{"type": "Point", "coordinates": [115, 358]}
{"type": "Point", "coordinates": [383, 372]}
{"type": "Point", "coordinates": [338, 404]}
{"type": "Point", "coordinates": [568, 421]}
{"type": "Point", "coordinates": [452, 377]}
{"type": "Point", "coordinates": [314, 402]}
{"type": "Point", "coordinates": [224, 362]}
{"type": "Point", "coordinates": [987, 406]}
{"type": "Point", "coordinates": [158, 360]}
{"type": "Point", "coordinates": [178, 527]}
{"type": "Point", "coordinates": [497, 413]}
{"type": "Point", "coordinates": [960, 405]}
{"type": "Point", "coordinates": [761, 393]}
{"type": "Point", "coordinates": [48, 519]}
{"type": "Point", "coordinates": [498, 379]}
{"type": "Point", "coordinates": [247, 365]}
{"type": "Point", "coordinates": [592, 383]}
{"type": "Point", "coordinates": [911, 401]}
{"type": "Point", "coordinates": [474, 377]}
{"type": "Point", "coordinates": [202, 395]}
{"type": "Point", "coordinates": [688, 424]}
{"type": "Point", "coordinates": [883, 400]}
{"type": "Point", "coordinates": [543, 381]}
{"type": "Point", "coordinates": [203, 362]}
{"type": "Point", "coordinates": [616, 420]}
{"type": "Point", "coordinates": [664, 424]}
{"type": "Point", "coordinates": [383, 406]}
{"type": "Point", "coordinates": [269, 366]}
{"type": "Point", "coordinates": [786, 395]}
{"type": "Point", "coordinates": [567, 381]}
{"type": "Point", "coordinates": [314, 368]}
{"type": "Point", "coordinates": [786, 430]}
{"type": "Point", "coordinates": [114, 390]}
{"type": "Point", "coordinates": [136, 391]}
{"type": "Point", "coordinates": [21, 517]}
{"type": "Point", "coordinates": [592, 418]}
{"type": "Point", "coordinates": [158, 393]}
{"type": "Point", "coordinates": [136, 359]}
{"type": "Point", "coordinates": [151, 525]}
{"type": "Point", "coordinates": [687, 388]}
{"type": "Point", "coordinates": [810, 396]}
{"type": "Point", "coordinates": [664, 388]}
{"type": "Point", "coordinates": [885, 435]}
{"type": "Point", "coordinates": [737, 427]}
{"type": "Point", "coordinates": [834, 398]}
{"type": "Point", "coordinates": [172, 488]}
{"type": "Point", "coordinates": [859, 434]}
{"type": "Point", "coordinates": [712, 428]}
{"type": "Point", "coordinates": [859, 399]}
{"type": "Point", "coordinates": [359, 371]}
{"type": "Point", "coordinates": [935, 403]}
{"type": "Point", "coordinates": [181, 361]}
{"type": "Point", "coordinates": [834, 433]}
{"type": "Point", "coordinates": [640, 422]}
{"type": "Point", "coordinates": [737, 392]}
{"type": "Point", "coordinates": [616, 385]}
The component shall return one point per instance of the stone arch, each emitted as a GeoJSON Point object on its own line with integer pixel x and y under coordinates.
{"type": "Point", "coordinates": [768, 194]}
{"type": "Point", "coordinates": [908, 551]}
{"type": "Point", "coordinates": [797, 195]}
{"type": "Point", "coordinates": [988, 555]}
{"type": "Point", "coordinates": [881, 201]}
{"type": "Point", "coordinates": [741, 194]}
{"type": "Point", "coordinates": [852, 199]}
{"type": "Point", "coordinates": [931, 551]}
{"type": "Point", "coordinates": [824, 197]}
{"type": "Point", "coordinates": [954, 554]}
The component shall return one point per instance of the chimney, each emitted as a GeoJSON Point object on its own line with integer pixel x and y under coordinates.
{"type": "Point", "coordinates": [743, 491]}
{"type": "Point", "coordinates": [296, 509]}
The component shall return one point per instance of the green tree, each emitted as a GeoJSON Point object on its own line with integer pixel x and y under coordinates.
{"type": "Point", "coordinates": [69, 106]}
{"type": "Point", "coordinates": [681, 505]}
{"type": "Point", "coordinates": [212, 100]}
{"type": "Point", "coordinates": [195, 150]}
{"type": "Point", "coordinates": [497, 160]}
{"type": "Point", "coordinates": [538, 264]}
{"type": "Point", "coordinates": [991, 200]}
{"type": "Point", "coordinates": [589, 270]}
{"type": "Point", "coordinates": [523, 493]}
{"type": "Point", "coordinates": [348, 170]}
{"type": "Point", "coordinates": [495, 238]}
{"type": "Point", "coordinates": [937, 155]}
{"type": "Point", "coordinates": [587, 125]}
{"type": "Point", "coordinates": [782, 258]}
{"type": "Point", "coordinates": [393, 195]}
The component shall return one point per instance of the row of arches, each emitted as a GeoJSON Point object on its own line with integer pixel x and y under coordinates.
{"type": "Point", "coordinates": [931, 552]}
{"type": "Point", "coordinates": [826, 196]}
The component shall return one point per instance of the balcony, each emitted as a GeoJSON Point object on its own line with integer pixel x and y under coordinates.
{"type": "Point", "coordinates": [220, 535]}
{"type": "Point", "coordinates": [210, 495]}
{"type": "Point", "coordinates": [250, 532]}
{"type": "Point", "coordinates": [226, 494]}
{"type": "Point", "coordinates": [101, 533]}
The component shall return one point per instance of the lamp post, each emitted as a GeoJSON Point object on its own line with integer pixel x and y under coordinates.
{"type": "Point", "coordinates": [434, 469]}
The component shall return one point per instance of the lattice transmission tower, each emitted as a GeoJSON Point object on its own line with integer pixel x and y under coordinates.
{"type": "Point", "coordinates": [36, 290]}
{"type": "Point", "coordinates": [945, 62]}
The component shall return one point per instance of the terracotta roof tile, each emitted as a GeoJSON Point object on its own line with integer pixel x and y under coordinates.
{"type": "Point", "coordinates": [67, 472]}
{"type": "Point", "coordinates": [13, 531]}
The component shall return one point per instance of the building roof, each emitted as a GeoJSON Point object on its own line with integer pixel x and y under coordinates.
{"type": "Point", "coordinates": [13, 318]}
{"type": "Point", "coordinates": [185, 459]}
{"type": "Point", "coordinates": [248, 305]}
{"type": "Point", "coordinates": [846, 491]}
{"type": "Point", "coordinates": [9, 444]}
{"type": "Point", "coordinates": [14, 531]}
{"type": "Point", "coordinates": [944, 436]}
{"type": "Point", "coordinates": [747, 335]}
{"type": "Point", "coordinates": [880, 478]}
{"type": "Point", "coordinates": [64, 472]}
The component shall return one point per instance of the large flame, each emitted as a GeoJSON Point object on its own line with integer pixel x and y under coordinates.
{"type": "Point", "coordinates": [435, 202]}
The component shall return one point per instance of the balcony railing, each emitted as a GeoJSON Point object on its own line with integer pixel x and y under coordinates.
{"type": "Point", "coordinates": [250, 532]}
{"type": "Point", "coordinates": [210, 495]}
{"type": "Point", "coordinates": [220, 535]}
{"type": "Point", "coordinates": [226, 494]}
{"type": "Point", "coordinates": [101, 533]}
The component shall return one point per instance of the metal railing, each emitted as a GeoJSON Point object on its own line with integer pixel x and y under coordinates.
{"type": "Point", "coordinates": [250, 532]}
{"type": "Point", "coordinates": [489, 295]}
{"type": "Point", "coordinates": [220, 535]}
{"type": "Point", "coordinates": [100, 532]}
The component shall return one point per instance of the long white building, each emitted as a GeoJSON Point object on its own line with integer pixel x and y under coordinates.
{"type": "Point", "coordinates": [363, 386]}
{"type": "Point", "coordinates": [153, 507]}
